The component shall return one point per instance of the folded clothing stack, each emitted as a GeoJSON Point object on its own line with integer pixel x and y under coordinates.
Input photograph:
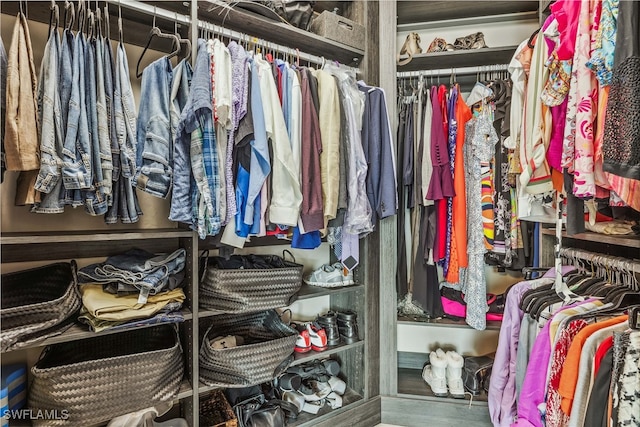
{"type": "Point", "coordinates": [132, 289]}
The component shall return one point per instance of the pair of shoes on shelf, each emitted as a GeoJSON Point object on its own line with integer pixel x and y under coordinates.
{"type": "Point", "coordinates": [330, 276]}
{"type": "Point", "coordinates": [443, 373]}
{"type": "Point", "coordinates": [312, 385]}
{"type": "Point", "coordinates": [340, 327]}
{"type": "Point", "coordinates": [328, 330]}
{"type": "Point", "coordinates": [311, 336]}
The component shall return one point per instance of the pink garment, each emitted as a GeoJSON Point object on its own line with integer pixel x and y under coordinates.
{"type": "Point", "coordinates": [584, 186]}
{"type": "Point", "coordinates": [566, 13]}
{"type": "Point", "coordinates": [627, 189]}
{"type": "Point", "coordinates": [554, 153]}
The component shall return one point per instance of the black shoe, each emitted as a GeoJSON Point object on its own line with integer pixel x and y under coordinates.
{"type": "Point", "coordinates": [329, 322]}
{"type": "Point", "coordinates": [316, 370]}
{"type": "Point", "coordinates": [348, 326]}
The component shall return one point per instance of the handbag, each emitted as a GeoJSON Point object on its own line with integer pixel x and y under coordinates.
{"type": "Point", "coordinates": [476, 373]}
{"type": "Point", "coordinates": [410, 47]}
{"type": "Point", "coordinates": [295, 12]}
{"type": "Point", "coordinates": [252, 409]}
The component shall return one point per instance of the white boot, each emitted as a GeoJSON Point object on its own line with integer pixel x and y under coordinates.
{"type": "Point", "coordinates": [435, 375]}
{"type": "Point", "coordinates": [455, 363]}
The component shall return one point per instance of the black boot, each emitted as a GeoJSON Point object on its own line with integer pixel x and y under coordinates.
{"type": "Point", "coordinates": [348, 326]}
{"type": "Point", "coordinates": [329, 322]}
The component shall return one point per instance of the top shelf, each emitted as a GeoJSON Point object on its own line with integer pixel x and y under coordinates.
{"type": "Point", "coordinates": [417, 11]}
{"type": "Point", "coordinates": [460, 58]}
{"type": "Point", "coordinates": [278, 32]}
{"type": "Point", "coordinates": [630, 241]}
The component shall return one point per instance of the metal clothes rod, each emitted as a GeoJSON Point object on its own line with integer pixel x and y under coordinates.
{"type": "Point", "coordinates": [454, 71]}
{"type": "Point", "coordinates": [611, 265]}
{"type": "Point", "coordinates": [217, 29]}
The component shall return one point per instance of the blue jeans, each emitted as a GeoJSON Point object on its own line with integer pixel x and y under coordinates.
{"type": "Point", "coordinates": [136, 267]}
{"type": "Point", "coordinates": [154, 137]}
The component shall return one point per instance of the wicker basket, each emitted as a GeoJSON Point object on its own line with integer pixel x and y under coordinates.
{"type": "Point", "coordinates": [268, 348]}
{"type": "Point", "coordinates": [97, 379]}
{"type": "Point", "coordinates": [37, 303]}
{"type": "Point", "coordinates": [215, 411]}
{"type": "Point", "coordinates": [250, 290]}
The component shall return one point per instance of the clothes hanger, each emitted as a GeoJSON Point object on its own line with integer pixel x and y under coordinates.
{"type": "Point", "coordinates": [82, 14]}
{"type": "Point", "coordinates": [54, 16]}
{"type": "Point", "coordinates": [107, 24]}
{"type": "Point", "coordinates": [156, 32]}
{"type": "Point", "coordinates": [182, 41]}
{"type": "Point", "coordinates": [68, 24]}
{"type": "Point", "coordinates": [530, 41]}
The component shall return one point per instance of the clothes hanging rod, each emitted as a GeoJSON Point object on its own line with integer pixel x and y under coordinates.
{"type": "Point", "coordinates": [238, 36]}
{"type": "Point", "coordinates": [454, 71]}
{"type": "Point", "coordinates": [151, 10]}
{"type": "Point", "coordinates": [627, 264]}
{"type": "Point", "coordinates": [225, 32]}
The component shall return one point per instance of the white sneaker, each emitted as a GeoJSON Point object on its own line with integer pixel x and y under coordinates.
{"type": "Point", "coordinates": [434, 373]}
{"type": "Point", "coordinates": [330, 276]}
{"type": "Point", "coordinates": [455, 362]}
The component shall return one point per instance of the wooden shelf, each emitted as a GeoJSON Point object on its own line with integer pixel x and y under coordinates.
{"type": "Point", "coordinates": [278, 32]}
{"type": "Point", "coordinates": [411, 384]}
{"type": "Point", "coordinates": [64, 245]}
{"type": "Point", "coordinates": [91, 236]}
{"type": "Point", "coordinates": [301, 358]}
{"type": "Point", "coordinates": [445, 323]}
{"type": "Point", "coordinates": [460, 58]}
{"type": "Point", "coordinates": [349, 400]}
{"type": "Point", "coordinates": [628, 240]}
{"type": "Point", "coordinates": [185, 391]}
{"type": "Point", "coordinates": [415, 11]}
{"type": "Point", "coordinates": [306, 292]}
{"type": "Point", "coordinates": [80, 331]}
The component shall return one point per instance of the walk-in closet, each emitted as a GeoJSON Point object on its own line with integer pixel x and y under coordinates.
{"type": "Point", "coordinates": [320, 213]}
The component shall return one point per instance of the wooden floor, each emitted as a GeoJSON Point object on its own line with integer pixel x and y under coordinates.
{"type": "Point", "coordinates": [416, 406]}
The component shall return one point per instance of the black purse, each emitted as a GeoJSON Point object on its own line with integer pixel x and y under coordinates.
{"type": "Point", "coordinates": [253, 409]}
{"type": "Point", "coordinates": [296, 12]}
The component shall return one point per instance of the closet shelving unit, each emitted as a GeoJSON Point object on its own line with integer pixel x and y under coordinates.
{"type": "Point", "coordinates": [406, 391]}
{"type": "Point", "coordinates": [361, 406]}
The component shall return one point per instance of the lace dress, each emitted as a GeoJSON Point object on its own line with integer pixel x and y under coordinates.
{"type": "Point", "coordinates": [479, 149]}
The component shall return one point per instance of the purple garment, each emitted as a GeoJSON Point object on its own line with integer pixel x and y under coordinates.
{"type": "Point", "coordinates": [534, 386]}
{"type": "Point", "coordinates": [502, 388]}
{"type": "Point", "coordinates": [240, 82]}
{"type": "Point", "coordinates": [441, 184]}
{"type": "Point", "coordinates": [453, 133]}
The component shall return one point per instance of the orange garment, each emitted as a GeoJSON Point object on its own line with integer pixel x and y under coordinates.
{"type": "Point", "coordinates": [458, 257]}
{"type": "Point", "coordinates": [569, 377]}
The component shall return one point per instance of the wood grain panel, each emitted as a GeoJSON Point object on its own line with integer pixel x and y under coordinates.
{"type": "Point", "coordinates": [425, 11]}
{"type": "Point", "coordinates": [460, 58]}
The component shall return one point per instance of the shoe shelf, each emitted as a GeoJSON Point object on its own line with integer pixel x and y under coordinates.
{"type": "Point", "coordinates": [411, 385]}
{"type": "Point", "coordinates": [446, 323]}
{"type": "Point", "coordinates": [79, 331]}
{"type": "Point", "coordinates": [307, 291]}
{"type": "Point", "coordinates": [349, 400]}
{"type": "Point", "coordinates": [460, 58]}
{"type": "Point", "coordinates": [301, 358]}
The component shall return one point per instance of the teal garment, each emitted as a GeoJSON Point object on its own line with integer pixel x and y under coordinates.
{"type": "Point", "coordinates": [601, 61]}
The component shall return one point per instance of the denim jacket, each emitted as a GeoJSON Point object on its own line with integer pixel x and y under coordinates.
{"type": "Point", "coordinates": [51, 138]}
{"type": "Point", "coordinates": [155, 142]}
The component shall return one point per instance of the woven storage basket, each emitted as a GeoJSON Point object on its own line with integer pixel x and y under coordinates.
{"type": "Point", "coordinates": [97, 379]}
{"type": "Point", "coordinates": [249, 290]}
{"type": "Point", "coordinates": [215, 411]}
{"type": "Point", "coordinates": [268, 344]}
{"type": "Point", "coordinates": [37, 303]}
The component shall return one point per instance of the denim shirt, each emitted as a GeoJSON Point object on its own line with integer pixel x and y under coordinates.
{"type": "Point", "coordinates": [76, 172]}
{"type": "Point", "coordinates": [182, 176]}
{"type": "Point", "coordinates": [48, 181]}
{"type": "Point", "coordinates": [126, 116]}
{"type": "Point", "coordinates": [104, 143]}
{"type": "Point", "coordinates": [155, 142]}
